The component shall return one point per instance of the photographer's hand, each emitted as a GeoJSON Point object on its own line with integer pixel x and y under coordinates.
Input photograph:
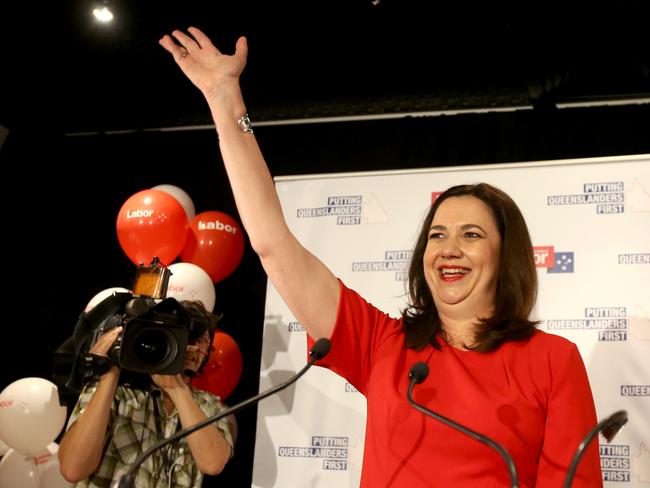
{"type": "Point", "coordinates": [168, 382]}
{"type": "Point", "coordinates": [209, 447]}
{"type": "Point", "coordinates": [81, 448]}
{"type": "Point", "coordinates": [97, 360]}
{"type": "Point", "coordinates": [105, 341]}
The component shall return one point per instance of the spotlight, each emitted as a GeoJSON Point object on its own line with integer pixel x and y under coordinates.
{"type": "Point", "coordinates": [103, 13]}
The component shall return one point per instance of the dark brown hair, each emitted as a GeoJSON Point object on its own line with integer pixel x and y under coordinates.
{"type": "Point", "coordinates": [516, 282]}
{"type": "Point", "coordinates": [202, 320]}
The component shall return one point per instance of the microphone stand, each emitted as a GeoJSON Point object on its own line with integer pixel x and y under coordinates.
{"type": "Point", "coordinates": [318, 351]}
{"type": "Point", "coordinates": [418, 373]}
{"type": "Point", "coordinates": [609, 427]}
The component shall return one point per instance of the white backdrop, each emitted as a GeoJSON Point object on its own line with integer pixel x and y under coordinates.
{"type": "Point", "coordinates": [590, 224]}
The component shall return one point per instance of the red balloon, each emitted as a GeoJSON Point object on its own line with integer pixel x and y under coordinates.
{"type": "Point", "coordinates": [152, 223]}
{"type": "Point", "coordinates": [215, 243]}
{"type": "Point", "coordinates": [223, 370]}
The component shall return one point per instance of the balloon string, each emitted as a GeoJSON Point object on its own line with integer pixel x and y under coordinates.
{"type": "Point", "coordinates": [32, 460]}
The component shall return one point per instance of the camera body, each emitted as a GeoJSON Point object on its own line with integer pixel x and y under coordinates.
{"type": "Point", "coordinates": [154, 337]}
{"type": "Point", "coordinates": [155, 330]}
{"type": "Point", "coordinates": [153, 342]}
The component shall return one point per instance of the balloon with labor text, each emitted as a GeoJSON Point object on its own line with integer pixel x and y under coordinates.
{"type": "Point", "coordinates": [38, 471]}
{"type": "Point", "coordinates": [152, 223]}
{"type": "Point", "coordinates": [222, 372]}
{"type": "Point", "coordinates": [191, 282]}
{"type": "Point", "coordinates": [181, 196]}
{"type": "Point", "coordinates": [31, 416]}
{"type": "Point", "coordinates": [215, 242]}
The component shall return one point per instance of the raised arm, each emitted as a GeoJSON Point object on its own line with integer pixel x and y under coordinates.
{"type": "Point", "coordinates": [306, 285]}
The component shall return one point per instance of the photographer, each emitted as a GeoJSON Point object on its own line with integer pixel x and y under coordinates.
{"type": "Point", "coordinates": [113, 422]}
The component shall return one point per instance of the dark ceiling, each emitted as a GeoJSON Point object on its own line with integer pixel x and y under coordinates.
{"type": "Point", "coordinates": [310, 59]}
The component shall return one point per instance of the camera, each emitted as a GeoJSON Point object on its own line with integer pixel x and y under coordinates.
{"type": "Point", "coordinates": [154, 337]}
{"type": "Point", "coordinates": [155, 330]}
{"type": "Point", "coordinates": [153, 342]}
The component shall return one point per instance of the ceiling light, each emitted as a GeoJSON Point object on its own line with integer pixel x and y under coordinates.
{"type": "Point", "coordinates": [103, 14]}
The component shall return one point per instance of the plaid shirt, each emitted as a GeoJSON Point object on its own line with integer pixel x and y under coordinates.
{"type": "Point", "coordinates": [133, 427]}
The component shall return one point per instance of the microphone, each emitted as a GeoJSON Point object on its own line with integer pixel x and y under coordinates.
{"type": "Point", "coordinates": [417, 374]}
{"type": "Point", "coordinates": [609, 428]}
{"type": "Point", "coordinates": [318, 351]}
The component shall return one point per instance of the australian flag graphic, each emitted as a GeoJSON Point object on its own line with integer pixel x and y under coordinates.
{"type": "Point", "coordinates": [563, 262]}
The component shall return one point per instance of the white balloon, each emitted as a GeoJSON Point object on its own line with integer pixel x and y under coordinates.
{"type": "Point", "coordinates": [39, 471]}
{"type": "Point", "coordinates": [16, 469]}
{"type": "Point", "coordinates": [49, 469]}
{"type": "Point", "coordinates": [191, 282]}
{"type": "Point", "coordinates": [31, 416]}
{"type": "Point", "coordinates": [102, 295]}
{"type": "Point", "coordinates": [3, 448]}
{"type": "Point", "coordinates": [181, 196]}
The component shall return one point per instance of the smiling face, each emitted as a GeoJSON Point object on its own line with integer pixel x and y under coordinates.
{"type": "Point", "coordinates": [462, 257]}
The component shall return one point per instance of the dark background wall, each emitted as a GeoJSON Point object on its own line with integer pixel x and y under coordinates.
{"type": "Point", "coordinates": [62, 195]}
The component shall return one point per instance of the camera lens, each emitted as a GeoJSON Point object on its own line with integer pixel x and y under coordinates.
{"type": "Point", "coordinates": [151, 346]}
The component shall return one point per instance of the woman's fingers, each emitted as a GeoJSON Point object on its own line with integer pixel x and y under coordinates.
{"type": "Point", "coordinates": [169, 45]}
{"type": "Point", "coordinates": [241, 48]}
{"type": "Point", "coordinates": [186, 41]}
{"type": "Point", "coordinates": [202, 40]}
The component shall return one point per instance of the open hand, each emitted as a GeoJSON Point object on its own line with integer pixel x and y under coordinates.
{"type": "Point", "coordinates": [202, 62]}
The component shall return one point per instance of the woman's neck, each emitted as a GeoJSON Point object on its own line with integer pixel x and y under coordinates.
{"type": "Point", "coordinates": [459, 324]}
{"type": "Point", "coordinates": [459, 331]}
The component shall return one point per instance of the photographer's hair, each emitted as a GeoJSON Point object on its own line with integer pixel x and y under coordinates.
{"type": "Point", "coordinates": [516, 283]}
{"type": "Point", "coordinates": [202, 320]}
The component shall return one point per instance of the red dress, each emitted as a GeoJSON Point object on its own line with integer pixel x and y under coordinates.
{"type": "Point", "coordinates": [532, 397]}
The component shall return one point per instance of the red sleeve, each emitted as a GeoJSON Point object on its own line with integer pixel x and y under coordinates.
{"type": "Point", "coordinates": [570, 416]}
{"type": "Point", "coordinates": [359, 330]}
